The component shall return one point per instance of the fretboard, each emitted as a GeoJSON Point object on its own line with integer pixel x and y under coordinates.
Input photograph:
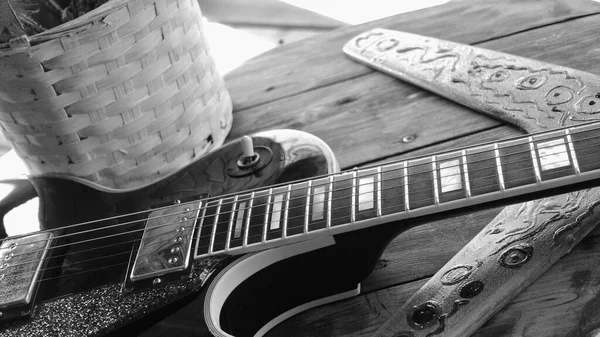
{"type": "Point", "coordinates": [361, 198]}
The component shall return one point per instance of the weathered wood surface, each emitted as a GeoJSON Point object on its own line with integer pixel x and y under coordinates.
{"type": "Point", "coordinates": [276, 21]}
{"type": "Point", "coordinates": [264, 13]}
{"type": "Point", "coordinates": [299, 68]}
{"type": "Point", "coordinates": [346, 98]}
{"type": "Point", "coordinates": [367, 117]}
{"type": "Point", "coordinates": [523, 241]}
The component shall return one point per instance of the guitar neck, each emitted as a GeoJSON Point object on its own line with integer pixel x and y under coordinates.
{"type": "Point", "coordinates": [412, 188]}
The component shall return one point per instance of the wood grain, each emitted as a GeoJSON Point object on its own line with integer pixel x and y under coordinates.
{"type": "Point", "coordinates": [305, 81]}
{"type": "Point", "coordinates": [560, 303]}
{"type": "Point", "coordinates": [397, 110]}
{"type": "Point", "coordinates": [264, 13]}
{"type": "Point", "coordinates": [300, 67]}
{"type": "Point", "coordinates": [477, 282]}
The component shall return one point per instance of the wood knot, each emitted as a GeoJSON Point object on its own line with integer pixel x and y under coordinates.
{"type": "Point", "coordinates": [516, 257]}
{"type": "Point", "coordinates": [456, 274]}
{"type": "Point", "coordinates": [424, 315]}
{"type": "Point", "coordinates": [471, 289]}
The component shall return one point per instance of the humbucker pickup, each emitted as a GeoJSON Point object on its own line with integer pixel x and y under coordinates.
{"type": "Point", "coordinates": [21, 262]}
{"type": "Point", "coordinates": [166, 242]}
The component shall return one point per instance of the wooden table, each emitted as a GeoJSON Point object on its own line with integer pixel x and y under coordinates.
{"type": "Point", "coordinates": [370, 118]}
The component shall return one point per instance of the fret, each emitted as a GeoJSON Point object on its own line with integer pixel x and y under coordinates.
{"type": "Point", "coordinates": [205, 225]}
{"type": "Point", "coordinates": [341, 198]}
{"type": "Point", "coordinates": [392, 189]}
{"type": "Point", "coordinates": [499, 167]}
{"type": "Point", "coordinates": [330, 194]}
{"type": "Point", "coordinates": [286, 209]}
{"type": "Point", "coordinates": [266, 215]}
{"type": "Point", "coordinates": [224, 217]}
{"type": "Point", "coordinates": [214, 226]}
{"type": "Point", "coordinates": [307, 207]}
{"type": "Point", "coordinates": [536, 168]}
{"type": "Point", "coordinates": [227, 216]}
{"type": "Point", "coordinates": [586, 143]}
{"type": "Point", "coordinates": [366, 200]}
{"type": "Point", "coordinates": [318, 200]}
{"type": "Point", "coordinates": [450, 171]}
{"type": "Point", "coordinates": [436, 194]}
{"type": "Point", "coordinates": [483, 172]}
{"type": "Point", "coordinates": [256, 223]}
{"type": "Point", "coordinates": [378, 191]}
{"type": "Point", "coordinates": [297, 205]}
{"type": "Point", "coordinates": [251, 235]}
{"type": "Point", "coordinates": [276, 217]}
{"type": "Point", "coordinates": [405, 178]}
{"type": "Point", "coordinates": [553, 156]}
{"type": "Point", "coordinates": [517, 163]}
{"type": "Point", "coordinates": [463, 156]}
{"type": "Point", "coordinates": [572, 152]}
{"type": "Point", "coordinates": [420, 183]}
{"type": "Point", "coordinates": [353, 201]}
{"type": "Point", "coordinates": [228, 244]}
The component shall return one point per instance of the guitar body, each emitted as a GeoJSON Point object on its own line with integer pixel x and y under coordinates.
{"type": "Point", "coordinates": [84, 288]}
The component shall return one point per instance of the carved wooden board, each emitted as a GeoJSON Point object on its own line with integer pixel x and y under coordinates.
{"type": "Point", "coordinates": [531, 94]}
{"type": "Point", "coordinates": [493, 268]}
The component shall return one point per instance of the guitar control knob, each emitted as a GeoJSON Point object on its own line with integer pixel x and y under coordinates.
{"type": "Point", "coordinates": [249, 158]}
{"type": "Point", "coordinates": [247, 146]}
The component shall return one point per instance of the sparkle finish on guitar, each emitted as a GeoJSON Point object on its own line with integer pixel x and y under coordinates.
{"type": "Point", "coordinates": [82, 283]}
{"type": "Point", "coordinates": [255, 239]}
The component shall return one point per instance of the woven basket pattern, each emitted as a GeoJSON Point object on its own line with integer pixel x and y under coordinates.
{"type": "Point", "coordinates": [122, 99]}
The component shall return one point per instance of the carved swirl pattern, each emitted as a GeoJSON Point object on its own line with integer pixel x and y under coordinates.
{"type": "Point", "coordinates": [548, 94]}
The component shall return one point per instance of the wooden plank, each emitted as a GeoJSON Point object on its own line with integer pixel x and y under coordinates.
{"type": "Point", "coordinates": [280, 35]}
{"type": "Point", "coordinates": [264, 13]}
{"type": "Point", "coordinates": [304, 66]}
{"type": "Point", "coordinates": [404, 116]}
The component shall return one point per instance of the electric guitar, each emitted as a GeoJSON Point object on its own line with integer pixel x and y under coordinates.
{"type": "Point", "coordinates": [249, 240]}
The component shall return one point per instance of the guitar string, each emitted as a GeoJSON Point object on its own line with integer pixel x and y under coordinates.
{"type": "Point", "coordinates": [170, 224]}
{"type": "Point", "coordinates": [132, 251]}
{"type": "Point", "coordinates": [429, 199]}
{"type": "Point", "coordinates": [261, 225]}
{"type": "Point", "coordinates": [367, 168]}
{"type": "Point", "coordinates": [145, 211]}
{"type": "Point", "coordinates": [415, 165]}
{"type": "Point", "coordinates": [429, 163]}
{"type": "Point", "coordinates": [300, 198]}
{"type": "Point", "coordinates": [218, 223]}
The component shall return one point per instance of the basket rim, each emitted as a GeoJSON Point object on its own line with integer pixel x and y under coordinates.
{"type": "Point", "coordinates": [71, 26]}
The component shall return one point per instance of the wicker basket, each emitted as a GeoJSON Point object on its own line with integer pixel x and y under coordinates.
{"type": "Point", "coordinates": [122, 96]}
